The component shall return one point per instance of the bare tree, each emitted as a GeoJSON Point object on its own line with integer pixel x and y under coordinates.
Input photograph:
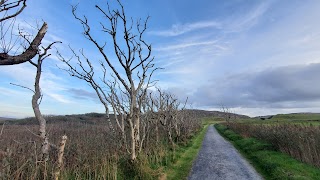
{"type": "Point", "coordinates": [8, 12]}
{"type": "Point", "coordinates": [169, 113]}
{"type": "Point", "coordinates": [36, 100]}
{"type": "Point", "coordinates": [228, 114]}
{"type": "Point", "coordinates": [42, 54]}
{"type": "Point", "coordinates": [133, 78]}
{"type": "Point", "coordinates": [7, 6]}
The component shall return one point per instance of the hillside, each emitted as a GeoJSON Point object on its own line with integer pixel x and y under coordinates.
{"type": "Point", "coordinates": [6, 119]}
{"type": "Point", "coordinates": [204, 113]}
{"type": "Point", "coordinates": [99, 118]}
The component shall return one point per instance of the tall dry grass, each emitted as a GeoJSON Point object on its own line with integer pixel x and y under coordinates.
{"type": "Point", "coordinates": [298, 140]}
{"type": "Point", "coordinates": [91, 152]}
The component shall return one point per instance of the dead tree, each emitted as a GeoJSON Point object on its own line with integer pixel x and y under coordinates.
{"type": "Point", "coordinates": [227, 114]}
{"type": "Point", "coordinates": [9, 10]}
{"type": "Point", "coordinates": [7, 6]}
{"type": "Point", "coordinates": [36, 100]}
{"type": "Point", "coordinates": [165, 109]}
{"type": "Point", "coordinates": [133, 56]}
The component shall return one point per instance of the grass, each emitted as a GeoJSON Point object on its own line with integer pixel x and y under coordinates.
{"type": "Point", "coordinates": [300, 141]}
{"type": "Point", "coordinates": [91, 152]}
{"type": "Point", "coordinates": [186, 154]}
{"type": "Point", "coordinates": [295, 118]}
{"type": "Point", "coordinates": [181, 168]}
{"type": "Point", "coordinates": [269, 162]}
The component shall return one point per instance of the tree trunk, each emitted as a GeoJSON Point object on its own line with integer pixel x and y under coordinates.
{"type": "Point", "coordinates": [133, 141]}
{"type": "Point", "coordinates": [42, 122]}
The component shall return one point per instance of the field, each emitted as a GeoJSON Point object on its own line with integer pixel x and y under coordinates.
{"type": "Point", "coordinates": [271, 163]}
{"type": "Point", "coordinates": [295, 118]}
{"type": "Point", "coordinates": [92, 151]}
{"type": "Point", "coordinates": [297, 135]}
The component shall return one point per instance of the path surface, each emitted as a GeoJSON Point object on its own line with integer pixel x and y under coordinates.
{"type": "Point", "coordinates": [219, 160]}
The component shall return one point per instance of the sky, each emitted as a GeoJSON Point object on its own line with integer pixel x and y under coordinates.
{"type": "Point", "coordinates": [254, 57]}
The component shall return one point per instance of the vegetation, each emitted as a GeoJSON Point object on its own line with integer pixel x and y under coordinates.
{"type": "Point", "coordinates": [299, 141]}
{"type": "Point", "coordinates": [294, 118]}
{"type": "Point", "coordinates": [145, 132]}
{"type": "Point", "coordinates": [92, 151]}
{"type": "Point", "coordinates": [269, 162]}
{"type": "Point", "coordinates": [150, 131]}
{"type": "Point", "coordinates": [186, 154]}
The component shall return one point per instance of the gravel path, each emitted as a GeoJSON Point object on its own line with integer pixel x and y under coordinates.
{"type": "Point", "coordinates": [218, 159]}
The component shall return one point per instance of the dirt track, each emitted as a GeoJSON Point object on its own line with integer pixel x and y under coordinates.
{"type": "Point", "coordinates": [218, 159]}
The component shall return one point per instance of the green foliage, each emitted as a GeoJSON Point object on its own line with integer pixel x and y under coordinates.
{"type": "Point", "coordinates": [270, 163]}
{"type": "Point", "coordinates": [186, 155]}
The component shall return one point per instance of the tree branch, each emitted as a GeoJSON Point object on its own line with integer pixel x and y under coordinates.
{"type": "Point", "coordinates": [29, 53]}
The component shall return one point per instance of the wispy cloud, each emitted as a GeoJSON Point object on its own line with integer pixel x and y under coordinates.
{"type": "Point", "coordinates": [59, 98]}
{"type": "Point", "coordinates": [246, 21]}
{"type": "Point", "coordinates": [235, 24]}
{"type": "Point", "coordinates": [179, 29]}
{"type": "Point", "coordinates": [185, 45]}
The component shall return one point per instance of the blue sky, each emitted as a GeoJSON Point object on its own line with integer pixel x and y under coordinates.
{"type": "Point", "coordinates": [256, 57]}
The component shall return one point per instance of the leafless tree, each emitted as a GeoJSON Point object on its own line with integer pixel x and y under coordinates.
{"type": "Point", "coordinates": [9, 10]}
{"type": "Point", "coordinates": [7, 6]}
{"type": "Point", "coordinates": [169, 113]}
{"type": "Point", "coordinates": [36, 100]}
{"type": "Point", "coordinates": [42, 54]}
{"type": "Point", "coordinates": [133, 78]}
{"type": "Point", "coordinates": [228, 114]}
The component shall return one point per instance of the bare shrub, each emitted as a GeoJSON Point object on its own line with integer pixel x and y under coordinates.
{"type": "Point", "coordinates": [298, 140]}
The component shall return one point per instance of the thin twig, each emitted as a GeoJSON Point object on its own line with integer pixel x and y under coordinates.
{"type": "Point", "coordinates": [22, 86]}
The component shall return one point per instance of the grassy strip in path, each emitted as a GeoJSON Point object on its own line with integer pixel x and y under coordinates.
{"type": "Point", "coordinates": [187, 154]}
{"type": "Point", "coordinates": [270, 163]}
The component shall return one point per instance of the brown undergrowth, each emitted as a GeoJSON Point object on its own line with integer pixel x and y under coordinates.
{"type": "Point", "coordinates": [298, 140]}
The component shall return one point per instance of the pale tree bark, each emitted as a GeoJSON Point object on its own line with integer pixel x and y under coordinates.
{"type": "Point", "coordinates": [170, 115]}
{"type": "Point", "coordinates": [36, 99]}
{"type": "Point", "coordinates": [133, 56]}
{"type": "Point", "coordinates": [60, 157]}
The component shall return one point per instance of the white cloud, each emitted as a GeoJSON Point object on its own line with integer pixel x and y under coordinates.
{"type": "Point", "coordinates": [59, 97]}
{"type": "Point", "coordinates": [180, 29]}
{"type": "Point", "coordinates": [188, 45]}
{"type": "Point", "coordinates": [246, 21]}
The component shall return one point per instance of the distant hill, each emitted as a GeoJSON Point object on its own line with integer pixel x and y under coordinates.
{"type": "Point", "coordinates": [6, 119]}
{"type": "Point", "coordinates": [99, 118]}
{"type": "Point", "coordinates": [88, 118]}
{"type": "Point", "coordinates": [204, 113]}
{"type": "Point", "coordinates": [304, 116]}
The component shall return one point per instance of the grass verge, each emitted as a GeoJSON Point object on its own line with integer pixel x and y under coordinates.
{"type": "Point", "coordinates": [269, 162]}
{"type": "Point", "coordinates": [181, 168]}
